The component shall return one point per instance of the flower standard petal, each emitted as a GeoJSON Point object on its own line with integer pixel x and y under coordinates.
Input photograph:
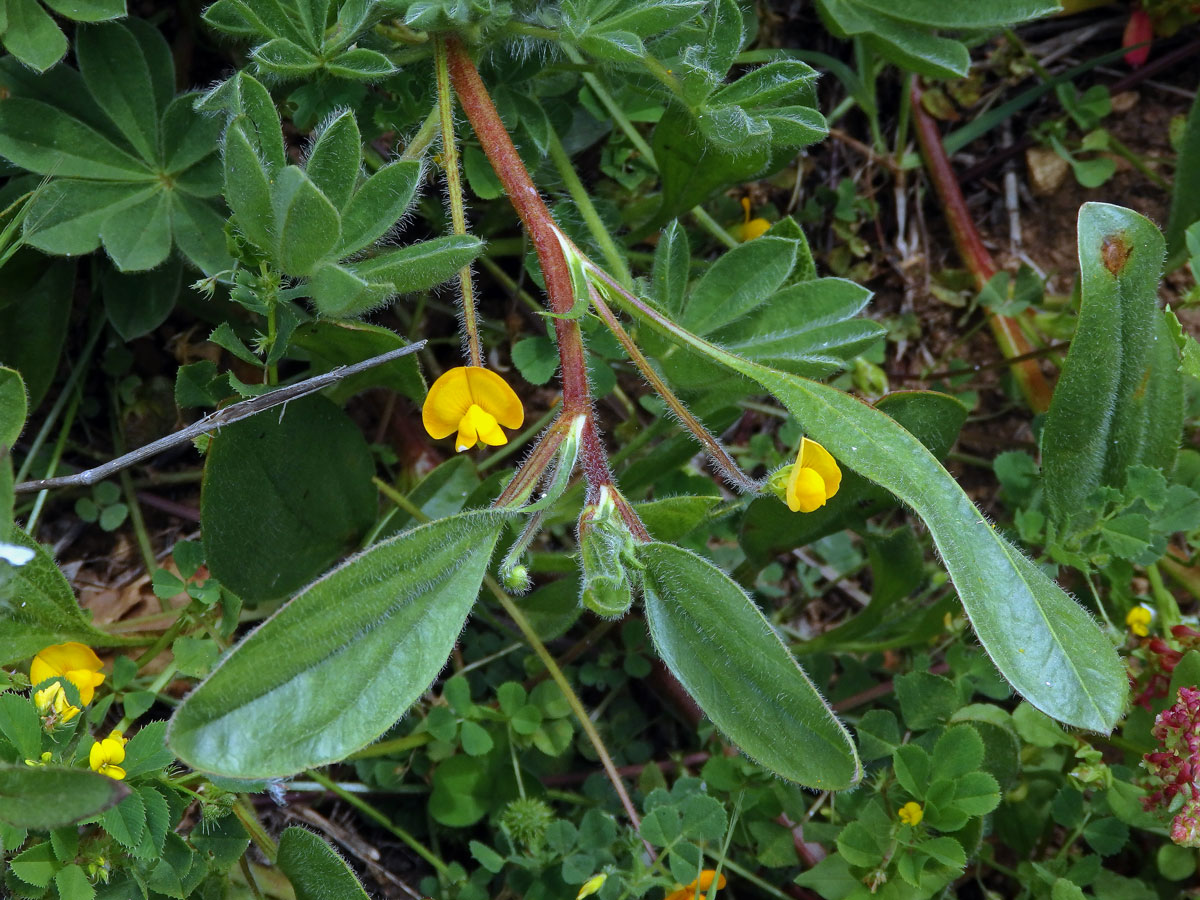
{"type": "Point", "coordinates": [494, 396]}
{"type": "Point", "coordinates": [813, 456]}
{"type": "Point", "coordinates": [447, 402]}
{"type": "Point", "coordinates": [805, 490]}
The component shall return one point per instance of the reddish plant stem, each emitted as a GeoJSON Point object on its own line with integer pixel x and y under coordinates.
{"type": "Point", "coordinates": [535, 216]}
{"type": "Point", "coordinates": [1007, 330]}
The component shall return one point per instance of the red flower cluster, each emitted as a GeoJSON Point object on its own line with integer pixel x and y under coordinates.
{"type": "Point", "coordinates": [1163, 661]}
{"type": "Point", "coordinates": [1177, 765]}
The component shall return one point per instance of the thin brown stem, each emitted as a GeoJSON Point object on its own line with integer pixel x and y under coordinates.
{"type": "Point", "coordinates": [535, 216]}
{"type": "Point", "coordinates": [1007, 330]}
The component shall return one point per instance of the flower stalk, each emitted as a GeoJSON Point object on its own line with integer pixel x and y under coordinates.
{"type": "Point", "coordinates": [1007, 330]}
{"type": "Point", "coordinates": [560, 289]}
{"type": "Point", "coordinates": [454, 191]}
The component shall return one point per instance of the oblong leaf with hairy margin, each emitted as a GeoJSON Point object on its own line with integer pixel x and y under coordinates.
{"type": "Point", "coordinates": [307, 227]}
{"type": "Point", "coordinates": [378, 205]}
{"type": "Point", "coordinates": [978, 14]}
{"type": "Point", "coordinates": [315, 869]}
{"type": "Point", "coordinates": [338, 664]}
{"type": "Point", "coordinates": [335, 159]}
{"type": "Point", "coordinates": [1044, 643]}
{"type": "Point", "coordinates": [50, 797]}
{"type": "Point", "coordinates": [727, 656]}
{"type": "Point", "coordinates": [420, 266]}
{"type": "Point", "coordinates": [1119, 400]}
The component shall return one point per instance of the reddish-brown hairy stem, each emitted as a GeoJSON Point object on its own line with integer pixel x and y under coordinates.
{"type": "Point", "coordinates": [1007, 330]}
{"type": "Point", "coordinates": [481, 113]}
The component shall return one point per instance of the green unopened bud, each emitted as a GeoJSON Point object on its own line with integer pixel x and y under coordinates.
{"type": "Point", "coordinates": [515, 579]}
{"type": "Point", "coordinates": [611, 572]}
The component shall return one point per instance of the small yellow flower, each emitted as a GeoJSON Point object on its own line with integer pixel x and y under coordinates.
{"type": "Point", "coordinates": [750, 228]}
{"type": "Point", "coordinates": [814, 478]}
{"type": "Point", "coordinates": [1138, 619]}
{"type": "Point", "coordinates": [106, 756]}
{"type": "Point", "coordinates": [53, 699]}
{"type": "Point", "coordinates": [75, 662]}
{"type": "Point", "coordinates": [475, 402]}
{"type": "Point", "coordinates": [911, 813]}
{"type": "Point", "coordinates": [592, 885]}
{"type": "Point", "coordinates": [693, 890]}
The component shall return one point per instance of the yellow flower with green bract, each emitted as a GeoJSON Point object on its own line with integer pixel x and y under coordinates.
{"type": "Point", "coordinates": [475, 402]}
{"type": "Point", "coordinates": [698, 889]}
{"type": "Point", "coordinates": [73, 661]}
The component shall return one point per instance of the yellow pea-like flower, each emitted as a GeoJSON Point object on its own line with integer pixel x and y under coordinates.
{"type": "Point", "coordinates": [698, 888]}
{"type": "Point", "coordinates": [1138, 620]}
{"type": "Point", "coordinates": [106, 756]}
{"type": "Point", "coordinates": [814, 478]}
{"type": "Point", "coordinates": [73, 661]}
{"type": "Point", "coordinates": [475, 402]}
{"type": "Point", "coordinates": [911, 813]}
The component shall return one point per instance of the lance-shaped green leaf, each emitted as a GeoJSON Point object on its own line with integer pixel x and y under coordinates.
{"type": "Point", "coordinates": [336, 666]}
{"type": "Point", "coordinates": [50, 797]}
{"type": "Point", "coordinates": [420, 266]}
{"type": "Point", "coordinates": [1044, 643]}
{"type": "Point", "coordinates": [307, 226]}
{"type": "Point", "coordinates": [725, 653]}
{"type": "Point", "coordinates": [118, 77]}
{"type": "Point", "coordinates": [335, 159]}
{"type": "Point", "coordinates": [1119, 400]}
{"type": "Point", "coordinates": [248, 185]}
{"type": "Point", "coordinates": [38, 608]}
{"type": "Point", "coordinates": [378, 204]}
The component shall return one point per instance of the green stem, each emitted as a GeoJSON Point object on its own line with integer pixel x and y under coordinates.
{"type": "Point", "coordinates": [612, 253]}
{"type": "Point", "coordinates": [163, 679]}
{"type": "Point", "coordinates": [131, 501]}
{"type": "Point", "coordinates": [383, 821]}
{"type": "Point", "coordinates": [713, 227]}
{"type": "Point", "coordinates": [424, 137]}
{"type": "Point", "coordinates": [55, 456]}
{"type": "Point", "coordinates": [164, 640]}
{"type": "Point", "coordinates": [67, 392]}
{"type": "Point", "coordinates": [458, 215]}
{"type": "Point", "coordinates": [1164, 601]}
{"type": "Point", "coordinates": [246, 815]}
{"type": "Point", "coordinates": [585, 722]}
{"type": "Point", "coordinates": [394, 745]}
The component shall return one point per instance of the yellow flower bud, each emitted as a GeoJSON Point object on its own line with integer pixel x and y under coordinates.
{"type": "Point", "coordinates": [1138, 620]}
{"type": "Point", "coordinates": [814, 478]}
{"type": "Point", "coordinates": [592, 885]}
